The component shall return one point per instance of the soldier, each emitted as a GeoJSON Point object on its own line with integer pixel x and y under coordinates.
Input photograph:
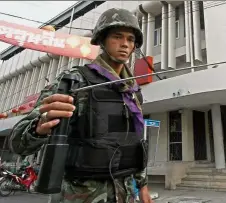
{"type": "Point", "coordinates": [107, 121]}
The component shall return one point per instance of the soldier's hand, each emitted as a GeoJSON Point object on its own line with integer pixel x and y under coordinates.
{"type": "Point", "coordinates": [55, 106]}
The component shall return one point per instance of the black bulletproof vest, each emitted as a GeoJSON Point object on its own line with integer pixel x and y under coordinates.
{"type": "Point", "coordinates": [103, 141]}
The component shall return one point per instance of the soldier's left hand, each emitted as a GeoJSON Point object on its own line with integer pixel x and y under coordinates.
{"type": "Point", "coordinates": [145, 196]}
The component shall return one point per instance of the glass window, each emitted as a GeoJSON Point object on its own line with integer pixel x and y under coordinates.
{"type": "Point", "coordinates": [177, 12]}
{"type": "Point", "coordinates": [158, 21]}
{"type": "Point", "coordinates": [156, 38]}
{"type": "Point", "coordinates": [177, 29]}
{"type": "Point", "coordinates": [202, 22]}
{"type": "Point", "coordinates": [175, 136]}
{"type": "Point", "coordinates": [160, 36]}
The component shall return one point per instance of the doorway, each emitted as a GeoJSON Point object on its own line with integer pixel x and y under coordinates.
{"type": "Point", "coordinates": [223, 118]}
{"type": "Point", "coordinates": [199, 131]}
{"type": "Point", "coordinates": [210, 125]}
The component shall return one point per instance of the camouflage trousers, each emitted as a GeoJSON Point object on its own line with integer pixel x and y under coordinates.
{"type": "Point", "coordinates": [90, 191]}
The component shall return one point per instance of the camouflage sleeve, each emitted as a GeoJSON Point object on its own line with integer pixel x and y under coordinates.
{"type": "Point", "coordinates": [141, 178]}
{"type": "Point", "coordinates": [21, 140]}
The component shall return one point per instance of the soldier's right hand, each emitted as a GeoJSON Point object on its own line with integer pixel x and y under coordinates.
{"type": "Point", "coordinates": [55, 106]}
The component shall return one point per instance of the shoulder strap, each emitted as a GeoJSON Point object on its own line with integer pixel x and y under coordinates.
{"type": "Point", "coordinates": [94, 78]}
{"type": "Point", "coordinates": [91, 75]}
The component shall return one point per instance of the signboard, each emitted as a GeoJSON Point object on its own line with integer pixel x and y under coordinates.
{"type": "Point", "coordinates": [148, 123]}
{"type": "Point", "coordinates": [141, 67]}
{"type": "Point", "coordinates": [47, 41]}
{"type": "Point", "coordinates": [152, 123]}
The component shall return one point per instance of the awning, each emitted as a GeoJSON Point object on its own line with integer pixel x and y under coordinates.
{"type": "Point", "coordinates": [6, 125]}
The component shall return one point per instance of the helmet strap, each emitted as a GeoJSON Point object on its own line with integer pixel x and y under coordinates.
{"type": "Point", "coordinates": [112, 57]}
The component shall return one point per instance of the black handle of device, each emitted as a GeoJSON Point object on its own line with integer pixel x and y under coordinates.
{"type": "Point", "coordinates": [55, 153]}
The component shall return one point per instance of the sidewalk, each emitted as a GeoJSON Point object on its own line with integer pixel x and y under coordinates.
{"type": "Point", "coordinates": [187, 196]}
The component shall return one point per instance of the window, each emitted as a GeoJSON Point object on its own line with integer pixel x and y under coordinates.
{"type": "Point", "coordinates": [177, 17]}
{"type": "Point", "coordinates": [158, 21]}
{"type": "Point", "coordinates": [158, 30]}
{"type": "Point", "coordinates": [156, 38]}
{"type": "Point", "coordinates": [202, 22]}
{"type": "Point", "coordinates": [177, 29]}
{"type": "Point", "coordinates": [177, 12]}
{"type": "Point", "coordinates": [183, 13]}
{"type": "Point", "coordinates": [175, 136]}
{"type": "Point", "coordinates": [160, 36]}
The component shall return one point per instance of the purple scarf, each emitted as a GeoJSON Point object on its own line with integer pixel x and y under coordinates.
{"type": "Point", "coordinates": [127, 97]}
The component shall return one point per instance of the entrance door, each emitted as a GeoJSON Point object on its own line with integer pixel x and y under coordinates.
{"type": "Point", "coordinates": [223, 118]}
{"type": "Point", "coordinates": [210, 125]}
{"type": "Point", "coordinates": [199, 135]}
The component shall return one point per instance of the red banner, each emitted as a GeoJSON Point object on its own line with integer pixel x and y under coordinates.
{"type": "Point", "coordinates": [141, 68]}
{"type": "Point", "coordinates": [47, 41]}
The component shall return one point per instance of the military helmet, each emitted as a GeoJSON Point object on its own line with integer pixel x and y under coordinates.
{"type": "Point", "coordinates": [117, 18]}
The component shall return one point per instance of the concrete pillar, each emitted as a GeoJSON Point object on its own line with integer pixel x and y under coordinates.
{"type": "Point", "coordinates": [150, 34]}
{"type": "Point", "coordinates": [43, 74]}
{"type": "Point", "coordinates": [190, 34]}
{"type": "Point", "coordinates": [34, 81]}
{"type": "Point", "coordinates": [4, 95]}
{"type": "Point", "coordinates": [197, 31]}
{"type": "Point", "coordinates": [9, 96]}
{"type": "Point", "coordinates": [218, 137]}
{"type": "Point", "coordinates": [144, 30]}
{"type": "Point", "coordinates": [187, 135]}
{"type": "Point", "coordinates": [25, 86]}
{"type": "Point", "coordinates": [2, 86]}
{"type": "Point", "coordinates": [17, 90]}
{"type": "Point", "coordinates": [171, 37]}
{"type": "Point", "coordinates": [53, 73]}
{"type": "Point", "coordinates": [164, 47]}
{"type": "Point", "coordinates": [187, 39]}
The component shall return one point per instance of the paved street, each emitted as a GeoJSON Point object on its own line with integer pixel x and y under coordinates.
{"type": "Point", "coordinates": [165, 196]}
{"type": "Point", "coordinates": [24, 198]}
{"type": "Point", "coordinates": [188, 196]}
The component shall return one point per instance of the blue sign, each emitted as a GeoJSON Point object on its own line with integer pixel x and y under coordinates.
{"type": "Point", "coordinates": [152, 123]}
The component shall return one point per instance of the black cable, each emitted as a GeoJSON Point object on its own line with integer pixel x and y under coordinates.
{"type": "Point", "coordinates": [37, 21]}
{"type": "Point", "coordinates": [45, 23]}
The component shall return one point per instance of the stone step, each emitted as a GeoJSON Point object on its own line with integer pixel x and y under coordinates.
{"type": "Point", "coordinates": [200, 170]}
{"type": "Point", "coordinates": [204, 183]}
{"type": "Point", "coordinates": [205, 165]}
{"type": "Point", "coordinates": [183, 186]}
{"type": "Point", "coordinates": [213, 176]}
{"type": "Point", "coordinates": [205, 170]}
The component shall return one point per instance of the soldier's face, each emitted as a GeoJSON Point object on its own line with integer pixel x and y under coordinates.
{"type": "Point", "coordinates": [120, 43]}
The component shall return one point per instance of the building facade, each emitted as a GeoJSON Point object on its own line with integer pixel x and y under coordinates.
{"type": "Point", "coordinates": [189, 103]}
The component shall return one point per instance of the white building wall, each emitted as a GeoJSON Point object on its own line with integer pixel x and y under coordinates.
{"type": "Point", "coordinates": [215, 26]}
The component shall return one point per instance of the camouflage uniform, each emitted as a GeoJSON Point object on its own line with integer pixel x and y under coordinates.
{"type": "Point", "coordinates": [23, 141]}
